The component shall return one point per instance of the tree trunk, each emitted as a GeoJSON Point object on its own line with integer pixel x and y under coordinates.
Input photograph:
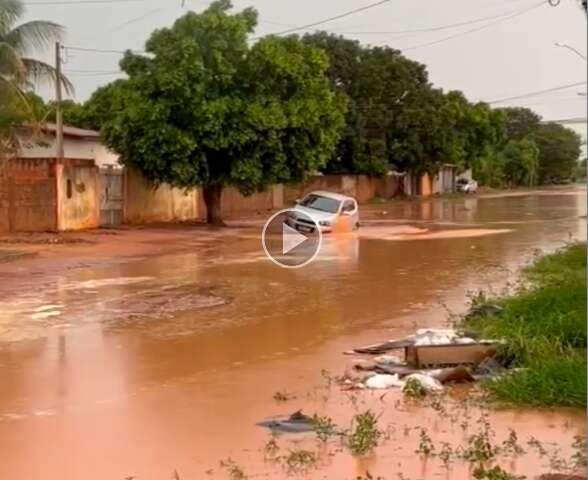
{"type": "Point", "coordinates": [212, 198]}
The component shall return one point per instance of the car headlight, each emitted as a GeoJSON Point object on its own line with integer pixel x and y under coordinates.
{"type": "Point", "coordinates": [325, 223]}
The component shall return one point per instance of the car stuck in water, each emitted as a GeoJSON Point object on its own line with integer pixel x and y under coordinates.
{"type": "Point", "coordinates": [328, 210]}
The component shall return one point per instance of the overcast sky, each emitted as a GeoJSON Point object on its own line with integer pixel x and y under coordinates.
{"type": "Point", "coordinates": [504, 58]}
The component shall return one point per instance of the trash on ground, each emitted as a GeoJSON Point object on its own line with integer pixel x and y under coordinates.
{"type": "Point", "coordinates": [297, 422]}
{"type": "Point", "coordinates": [432, 358]}
{"type": "Point", "coordinates": [380, 381]}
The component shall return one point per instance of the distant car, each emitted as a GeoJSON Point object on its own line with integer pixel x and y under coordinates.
{"type": "Point", "coordinates": [466, 185]}
{"type": "Point", "coordinates": [327, 209]}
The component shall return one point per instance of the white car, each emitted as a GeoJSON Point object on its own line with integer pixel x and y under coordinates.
{"type": "Point", "coordinates": [329, 210]}
{"type": "Point", "coordinates": [466, 185]}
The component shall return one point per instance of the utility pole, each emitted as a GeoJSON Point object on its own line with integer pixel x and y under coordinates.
{"type": "Point", "coordinates": [58, 113]}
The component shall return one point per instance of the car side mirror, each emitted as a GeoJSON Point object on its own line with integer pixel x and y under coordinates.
{"type": "Point", "coordinates": [346, 212]}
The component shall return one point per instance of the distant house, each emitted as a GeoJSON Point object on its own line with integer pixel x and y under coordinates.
{"type": "Point", "coordinates": [39, 192]}
{"type": "Point", "coordinates": [427, 184]}
{"type": "Point", "coordinates": [78, 143]}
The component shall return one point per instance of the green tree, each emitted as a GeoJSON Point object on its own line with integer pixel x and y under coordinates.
{"type": "Point", "coordinates": [521, 162]}
{"type": "Point", "coordinates": [559, 152]}
{"type": "Point", "coordinates": [520, 122]}
{"type": "Point", "coordinates": [204, 108]}
{"type": "Point", "coordinates": [379, 84]}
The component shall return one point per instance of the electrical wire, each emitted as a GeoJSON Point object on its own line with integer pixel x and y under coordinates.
{"type": "Point", "coordinates": [99, 50]}
{"type": "Point", "coordinates": [477, 29]}
{"type": "Point", "coordinates": [81, 2]}
{"type": "Point", "coordinates": [431, 29]}
{"type": "Point", "coordinates": [330, 19]}
{"type": "Point", "coordinates": [538, 92]}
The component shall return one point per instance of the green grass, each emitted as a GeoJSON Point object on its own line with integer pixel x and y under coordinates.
{"type": "Point", "coordinates": [544, 327]}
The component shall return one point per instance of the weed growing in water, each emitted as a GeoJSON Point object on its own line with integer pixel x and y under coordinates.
{"type": "Point", "coordinates": [446, 453]}
{"type": "Point", "coordinates": [511, 445]}
{"type": "Point", "coordinates": [271, 449]}
{"type": "Point", "coordinates": [494, 473]}
{"type": "Point", "coordinates": [579, 457]}
{"type": "Point", "coordinates": [299, 461]}
{"type": "Point", "coordinates": [323, 427]}
{"type": "Point", "coordinates": [234, 470]}
{"type": "Point", "coordinates": [364, 434]}
{"type": "Point", "coordinates": [283, 396]}
{"type": "Point", "coordinates": [426, 447]}
{"type": "Point", "coordinates": [537, 445]}
{"type": "Point", "coordinates": [414, 389]}
{"type": "Point", "coordinates": [368, 476]}
{"type": "Point", "coordinates": [437, 405]}
{"type": "Point", "coordinates": [480, 448]}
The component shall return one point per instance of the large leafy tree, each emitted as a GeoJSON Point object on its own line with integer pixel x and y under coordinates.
{"type": "Point", "coordinates": [19, 71]}
{"type": "Point", "coordinates": [204, 108]}
{"type": "Point", "coordinates": [520, 122]}
{"type": "Point", "coordinates": [521, 162]}
{"type": "Point", "coordinates": [559, 152]}
{"type": "Point", "coordinates": [380, 84]}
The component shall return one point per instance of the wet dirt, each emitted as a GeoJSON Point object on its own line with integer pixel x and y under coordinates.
{"type": "Point", "coordinates": [159, 350]}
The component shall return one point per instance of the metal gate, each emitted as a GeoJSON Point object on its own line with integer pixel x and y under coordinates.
{"type": "Point", "coordinates": [111, 196]}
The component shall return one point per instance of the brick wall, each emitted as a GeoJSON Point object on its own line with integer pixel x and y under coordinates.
{"type": "Point", "coordinates": [28, 200]}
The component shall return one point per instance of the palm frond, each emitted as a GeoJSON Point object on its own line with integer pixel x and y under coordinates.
{"type": "Point", "coordinates": [10, 12]}
{"type": "Point", "coordinates": [39, 71]}
{"type": "Point", "coordinates": [33, 35]}
{"type": "Point", "coordinates": [11, 65]}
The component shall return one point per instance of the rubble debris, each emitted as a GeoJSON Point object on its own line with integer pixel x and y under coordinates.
{"type": "Point", "coordinates": [449, 354]}
{"type": "Point", "coordinates": [459, 374]}
{"type": "Point", "coordinates": [458, 359]}
{"type": "Point", "coordinates": [380, 381]}
{"type": "Point", "coordinates": [297, 422]}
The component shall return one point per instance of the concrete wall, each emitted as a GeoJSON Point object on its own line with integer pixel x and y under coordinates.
{"type": "Point", "coordinates": [28, 195]}
{"type": "Point", "coordinates": [144, 203]}
{"type": "Point", "coordinates": [78, 194]}
{"type": "Point", "coordinates": [362, 187]}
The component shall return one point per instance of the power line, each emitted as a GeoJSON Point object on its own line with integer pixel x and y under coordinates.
{"type": "Point", "coordinates": [477, 29]}
{"type": "Point", "coordinates": [538, 92]}
{"type": "Point", "coordinates": [99, 50]}
{"type": "Point", "coordinates": [330, 19]}
{"type": "Point", "coordinates": [81, 2]}
{"type": "Point", "coordinates": [431, 29]}
{"type": "Point", "coordinates": [97, 74]}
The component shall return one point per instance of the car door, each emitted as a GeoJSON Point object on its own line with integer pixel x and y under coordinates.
{"type": "Point", "coordinates": [350, 208]}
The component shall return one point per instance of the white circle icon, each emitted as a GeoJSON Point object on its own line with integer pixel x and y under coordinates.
{"type": "Point", "coordinates": [291, 238]}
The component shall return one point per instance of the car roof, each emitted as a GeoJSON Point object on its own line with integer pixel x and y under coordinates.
{"type": "Point", "coordinates": [336, 196]}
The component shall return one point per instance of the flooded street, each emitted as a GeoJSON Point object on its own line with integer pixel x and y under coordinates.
{"type": "Point", "coordinates": [165, 360]}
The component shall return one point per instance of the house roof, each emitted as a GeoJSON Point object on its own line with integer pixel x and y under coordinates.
{"type": "Point", "coordinates": [67, 130]}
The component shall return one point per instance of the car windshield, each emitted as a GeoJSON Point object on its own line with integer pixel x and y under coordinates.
{"type": "Point", "coordinates": [323, 204]}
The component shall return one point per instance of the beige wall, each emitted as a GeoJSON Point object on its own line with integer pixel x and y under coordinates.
{"type": "Point", "coordinates": [78, 195]}
{"type": "Point", "coordinates": [144, 203]}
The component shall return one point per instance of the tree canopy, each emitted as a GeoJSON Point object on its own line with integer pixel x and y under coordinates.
{"type": "Point", "coordinates": [204, 108]}
{"type": "Point", "coordinates": [559, 152]}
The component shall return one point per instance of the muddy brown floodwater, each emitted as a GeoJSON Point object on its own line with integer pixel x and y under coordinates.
{"type": "Point", "coordinates": [139, 365]}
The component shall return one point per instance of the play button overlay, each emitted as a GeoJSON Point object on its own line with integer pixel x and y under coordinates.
{"type": "Point", "coordinates": [291, 238]}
